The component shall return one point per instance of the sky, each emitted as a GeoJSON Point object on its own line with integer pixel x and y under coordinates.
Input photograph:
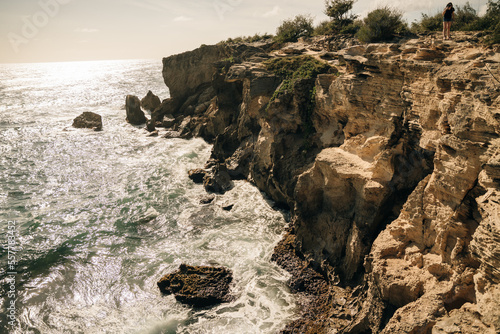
{"type": "Point", "coordinates": [77, 30]}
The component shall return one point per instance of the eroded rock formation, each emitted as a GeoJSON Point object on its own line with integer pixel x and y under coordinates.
{"type": "Point", "coordinates": [150, 101]}
{"type": "Point", "coordinates": [391, 169]}
{"type": "Point", "coordinates": [135, 115]}
{"type": "Point", "coordinates": [88, 120]}
{"type": "Point", "coordinates": [198, 286]}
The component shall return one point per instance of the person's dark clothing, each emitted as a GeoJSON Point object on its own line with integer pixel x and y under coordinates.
{"type": "Point", "coordinates": [447, 17]}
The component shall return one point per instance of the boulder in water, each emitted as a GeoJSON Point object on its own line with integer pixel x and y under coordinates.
{"type": "Point", "coordinates": [207, 199]}
{"type": "Point", "coordinates": [197, 175]}
{"type": "Point", "coordinates": [88, 120]}
{"type": "Point", "coordinates": [198, 286]}
{"type": "Point", "coordinates": [150, 126]}
{"type": "Point", "coordinates": [218, 180]}
{"type": "Point", "coordinates": [150, 101]}
{"type": "Point", "coordinates": [135, 115]}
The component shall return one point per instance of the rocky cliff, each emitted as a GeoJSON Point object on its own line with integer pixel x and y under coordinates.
{"type": "Point", "coordinates": [389, 163]}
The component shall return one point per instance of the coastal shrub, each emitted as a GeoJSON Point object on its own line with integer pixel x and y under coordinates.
{"type": "Point", "coordinates": [352, 28]}
{"type": "Point", "coordinates": [299, 67]}
{"type": "Point", "coordinates": [495, 36]}
{"type": "Point", "coordinates": [340, 13]}
{"type": "Point", "coordinates": [465, 17]}
{"type": "Point", "coordinates": [382, 24]}
{"type": "Point", "coordinates": [324, 28]}
{"type": "Point", "coordinates": [329, 28]}
{"type": "Point", "coordinates": [492, 19]}
{"type": "Point", "coordinates": [293, 69]}
{"type": "Point", "coordinates": [428, 23]}
{"type": "Point", "coordinates": [248, 39]}
{"type": "Point", "coordinates": [291, 30]}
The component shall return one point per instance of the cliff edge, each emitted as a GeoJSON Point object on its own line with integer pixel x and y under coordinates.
{"type": "Point", "coordinates": [389, 161]}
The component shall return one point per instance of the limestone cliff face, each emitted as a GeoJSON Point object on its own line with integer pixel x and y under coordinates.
{"type": "Point", "coordinates": [392, 178]}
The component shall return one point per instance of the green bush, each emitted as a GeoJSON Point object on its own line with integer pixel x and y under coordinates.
{"type": "Point", "coordinates": [352, 28]}
{"type": "Point", "coordinates": [293, 69]}
{"type": "Point", "coordinates": [329, 28]}
{"type": "Point", "coordinates": [339, 11]}
{"type": "Point", "coordinates": [464, 17]}
{"type": "Point", "coordinates": [299, 67]}
{"type": "Point", "coordinates": [493, 21]}
{"type": "Point", "coordinates": [428, 23]}
{"type": "Point", "coordinates": [382, 24]}
{"type": "Point", "coordinates": [292, 30]}
{"type": "Point", "coordinates": [324, 28]}
{"type": "Point", "coordinates": [248, 39]}
{"type": "Point", "coordinates": [495, 36]}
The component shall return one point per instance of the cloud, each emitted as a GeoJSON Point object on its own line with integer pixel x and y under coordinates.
{"type": "Point", "coordinates": [87, 30]}
{"type": "Point", "coordinates": [273, 12]}
{"type": "Point", "coordinates": [183, 19]}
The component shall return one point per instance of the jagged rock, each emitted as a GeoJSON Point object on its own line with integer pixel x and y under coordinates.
{"type": "Point", "coordinates": [185, 72]}
{"type": "Point", "coordinates": [391, 174]}
{"type": "Point", "coordinates": [429, 54]}
{"type": "Point", "coordinates": [218, 180]}
{"type": "Point", "coordinates": [150, 101]}
{"type": "Point", "coordinates": [228, 207]}
{"type": "Point", "coordinates": [207, 199]}
{"type": "Point", "coordinates": [197, 175]}
{"type": "Point", "coordinates": [150, 125]}
{"type": "Point", "coordinates": [293, 50]}
{"type": "Point", "coordinates": [168, 121]}
{"type": "Point", "coordinates": [88, 120]}
{"type": "Point", "coordinates": [135, 115]}
{"type": "Point", "coordinates": [172, 134]}
{"type": "Point", "coordinates": [198, 286]}
{"type": "Point", "coordinates": [167, 107]}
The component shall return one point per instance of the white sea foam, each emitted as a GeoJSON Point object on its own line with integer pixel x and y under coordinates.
{"type": "Point", "coordinates": [103, 215]}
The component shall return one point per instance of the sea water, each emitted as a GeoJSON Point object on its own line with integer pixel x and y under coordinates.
{"type": "Point", "coordinates": [90, 221]}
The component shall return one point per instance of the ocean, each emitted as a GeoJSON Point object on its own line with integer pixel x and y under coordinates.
{"type": "Point", "coordinates": [90, 221]}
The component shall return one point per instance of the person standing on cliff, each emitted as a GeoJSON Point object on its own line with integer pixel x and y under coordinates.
{"type": "Point", "coordinates": [448, 15]}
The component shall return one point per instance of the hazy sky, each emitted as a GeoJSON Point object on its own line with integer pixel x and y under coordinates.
{"type": "Point", "coordinates": [66, 30]}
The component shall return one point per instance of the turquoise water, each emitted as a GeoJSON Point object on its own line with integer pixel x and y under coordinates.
{"type": "Point", "coordinates": [100, 216]}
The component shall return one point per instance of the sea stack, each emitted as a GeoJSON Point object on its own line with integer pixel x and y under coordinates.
{"type": "Point", "coordinates": [135, 115]}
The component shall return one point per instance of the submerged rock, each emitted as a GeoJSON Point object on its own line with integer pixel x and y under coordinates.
{"type": "Point", "coordinates": [150, 101]}
{"type": "Point", "coordinates": [135, 115]}
{"type": "Point", "coordinates": [150, 126]}
{"type": "Point", "coordinates": [153, 134]}
{"type": "Point", "coordinates": [88, 120]}
{"type": "Point", "coordinates": [207, 199]}
{"type": "Point", "coordinates": [170, 134]}
{"type": "Point", "coordinates": [198, 286]}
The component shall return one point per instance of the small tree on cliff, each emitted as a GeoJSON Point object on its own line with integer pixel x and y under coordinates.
{"type": "Point", "coordinates": [292, 30]}
{"type": "Point", "coordinates": [340, 13]}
